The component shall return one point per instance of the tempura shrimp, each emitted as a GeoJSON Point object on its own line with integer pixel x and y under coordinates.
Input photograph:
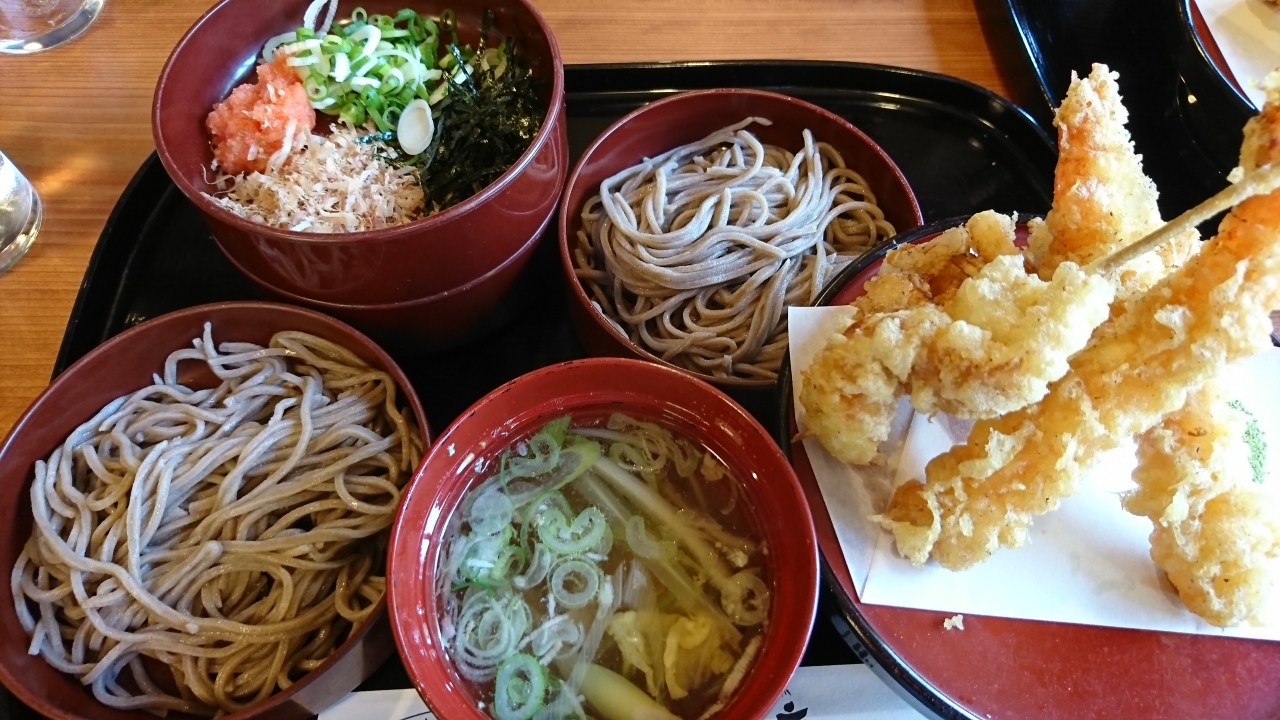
{"type": "Point", "coordinates": [1102, 200]}
{"type": "Point", "coordinates": [1215, 533]}
{"type": "Point", "coordinates": [958, 324]}
{"type": "Point", "coordinates": [1138, 367]}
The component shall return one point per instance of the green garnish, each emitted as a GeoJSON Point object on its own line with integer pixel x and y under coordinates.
{"type": "Point", "coordinates": [487, 121]}
{"type": "Point", "coordinates": [369, 68]}
{"type": "Point", "coordinates": [1256, 441]}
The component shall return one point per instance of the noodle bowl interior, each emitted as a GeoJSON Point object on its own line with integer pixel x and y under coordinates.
{"type": "Point", "coordinates": [197, 548]}
{"type": "Point", "coordinates": [605, 566]}
{"type": "Point", "coordinates": [695, 254]}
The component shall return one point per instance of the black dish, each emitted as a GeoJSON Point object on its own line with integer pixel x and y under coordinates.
{"type": "Point", "coordinates": [1188, 147]}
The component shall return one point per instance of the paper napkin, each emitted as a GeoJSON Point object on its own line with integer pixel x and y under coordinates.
{"type": "Point", "coordinates": [1248, 33]}
{"type": "Point", "coordinates": [836, 692]}
{"type": "Point", "coordinates": [1086, 562]}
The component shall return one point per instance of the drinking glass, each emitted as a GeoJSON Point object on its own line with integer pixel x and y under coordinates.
{"type": "Point", "coordinates": [20, 213]}
{"type": "Point", "coordinates": [28, 26]}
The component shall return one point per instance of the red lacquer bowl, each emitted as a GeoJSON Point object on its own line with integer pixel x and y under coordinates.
{"type": "Point", "coordinates": [593, 386]}
{"type": "Point", "coordinates": [660, 126]}
{"type": "Point", "coordinates": [398, 264]}
{"type": "Point", "coordinates": [1006, 668]}
{"type": "Point", "coordinates": [435, 323]}
{"type": "Point", "coordinates": [119, 366]}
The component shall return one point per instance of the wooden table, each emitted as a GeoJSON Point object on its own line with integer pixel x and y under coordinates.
{"type": "Point", "coordinates": [76, 119]}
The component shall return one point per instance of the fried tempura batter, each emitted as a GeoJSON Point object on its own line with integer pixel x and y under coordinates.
{"type": "Point", "coordinates": [1261, 145]}
{"type": "Point", "coordinates": [960, 325]}
{"type": "Point", "coordinates": [1216, 535]}
{"type": "Point", "coordinates": [1102, 201]}
{"type": "Point", "coordinates": [1138, 367]}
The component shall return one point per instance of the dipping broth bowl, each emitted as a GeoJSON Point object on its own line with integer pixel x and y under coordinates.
{"type": "Point", "coordinates": [123, 365]}
{"type": "Point", "coordinates": [404, 263]}
{"type": "Point", "coordinates": [591, 388]}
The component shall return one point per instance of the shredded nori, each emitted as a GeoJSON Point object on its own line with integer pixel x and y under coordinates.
{"type": "Point", "coordinates": [485, 124]}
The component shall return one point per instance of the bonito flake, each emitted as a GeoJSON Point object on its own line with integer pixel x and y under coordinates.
{"type": "Point", "coordinates": [332, 184]}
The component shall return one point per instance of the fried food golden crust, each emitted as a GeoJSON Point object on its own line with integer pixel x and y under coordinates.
{"type": "Point", "coordinates": [942, 264]}
{"type": "Point", "coordinates": [1261, 145]}
{"type": "Point", "coordinates": [851, 390]}
{"type": "Point", "coordinates": [1010, 334]}
{"type": "Point", "coordinates": [960, 325]}
{"type": "Point", "coordinates": [1138, 367]}
{"type": "Point", "coordinates": [1215, 534]}
{"type": "Point", "coordinates": [1102, 200]}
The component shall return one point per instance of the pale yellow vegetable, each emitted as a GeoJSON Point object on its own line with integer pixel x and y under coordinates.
{"type": "Point", "coordinates": [641, 636]}
{"type": "Point", "coordinates": [694, 653]}
{"type": "Point", "coordinates": [616, 698]}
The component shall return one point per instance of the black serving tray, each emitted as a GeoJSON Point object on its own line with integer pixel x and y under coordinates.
{"type": "Point", "coordinates": [961, 147]}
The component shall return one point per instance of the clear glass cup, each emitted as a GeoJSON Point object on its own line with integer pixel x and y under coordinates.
{"type": "Point", "coordinates": [20, 213]}
{"type": "Point", "coordinates": [28, 26]}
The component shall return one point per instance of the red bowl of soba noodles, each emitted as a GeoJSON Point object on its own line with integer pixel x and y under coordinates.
{"type": "Point", "coordinates": [603, 538]}
{"type": "Point", "coordinates": [689, 225]}
{"type": "Point", "coordinates": [318, 188]}
{"type": "Point", "coordinates": [196, 518]}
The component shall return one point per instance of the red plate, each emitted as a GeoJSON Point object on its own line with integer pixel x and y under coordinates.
{"type": "Point", "coordinates": [1007, 668]}
{"type": "Point", "coordinates": [1208, 47]}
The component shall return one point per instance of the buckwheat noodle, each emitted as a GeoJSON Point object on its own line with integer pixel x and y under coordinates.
{"type": "Point", "coordinates": [234, 534]}
{"type": "Point", "coordinates": [696, 253]}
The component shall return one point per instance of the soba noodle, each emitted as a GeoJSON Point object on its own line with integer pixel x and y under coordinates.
{"type": "Point", "coordinates": [234, 533]}
{"type": "Point", "coordinates": [695, 254]}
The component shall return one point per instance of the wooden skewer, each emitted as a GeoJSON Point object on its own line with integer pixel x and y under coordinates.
{"type": "Point", "coordinates": [1258, 182]}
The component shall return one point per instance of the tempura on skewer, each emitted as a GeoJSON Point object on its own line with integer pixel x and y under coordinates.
{"type": "Point", "coordinates": [1216, 534]}
{"type": "Point", "coordinates": [994, 346]}
{"type": "Point", "coordinates": [1177, 321]}
{"type": "Point", "coordinates": [1138, 368]}
{"type": "Point", "coordinates": [958, 324]}
{"type": "Point", "coordinates": [1102, 200]}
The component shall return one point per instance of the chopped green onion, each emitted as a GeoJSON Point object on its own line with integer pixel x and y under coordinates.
{"type": "Point", "coordinates": [580, 573]}
{"type": "Point", "coordinates": [642, 544]}
{"type": "Point", "coordinates": [520, 689]}
{"type": "Point", "coordinates": [491, 512]}
{"type": "Point", "coordinates": [564, 538]}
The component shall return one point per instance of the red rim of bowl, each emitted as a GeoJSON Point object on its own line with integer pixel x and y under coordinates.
{"type": "Point", "coordinates": [16, 685]}
{"type": "Point", "coordinates": [555, 109]}
{"type": "Point", "coordinates": [424, 512]}
{"type": "Point", "coordinates": [1209, 50]}
{"type": "Point", "coordinates": [566, 262]}
{"type": "Point", "coordinates": [1065, 669]}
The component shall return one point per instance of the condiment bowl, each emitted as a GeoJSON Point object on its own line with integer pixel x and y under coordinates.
{"type": "Point", "coordinates": [407, 262]}
{"type": "Point", "coordinates": [591, 387]}
{"type": "Point", "coordinates": [122, 365]}
{"type": "Point", "coordinates": [666, 124]}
